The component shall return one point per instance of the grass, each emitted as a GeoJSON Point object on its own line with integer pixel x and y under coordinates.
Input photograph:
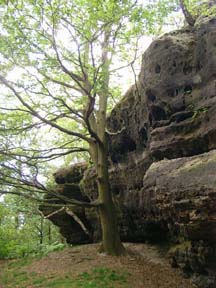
{"type": "Point", "coordinates": [100, 277]}
{"type": "Point", "coordinates": [180, 247]}
{"type": "Point", "coordinates": [14, 277]}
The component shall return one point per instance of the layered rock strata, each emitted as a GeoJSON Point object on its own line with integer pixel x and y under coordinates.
{"type": "Point", "coordinates": [162, 158]}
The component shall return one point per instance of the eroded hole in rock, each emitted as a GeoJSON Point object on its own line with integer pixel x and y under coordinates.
{"type": "Point", "coordinates": [156, 45]}
{"type": "Point", "coordinates": [212, 21]}
{"type": "Point", "coordinates": [150, 119]}
{"type": "Point", "coordinates": [143, 134]}
{"type": "Point", "coordinates": [115, 190]}
{"type": "Point", "coordinates": [199, 66]}
{"type": "Point", "coordinates": [188, 89]}
{"type": "Point", "coordinates": [158, 113]}
{"type": "Point", "coordinates": [172, 92]}
{"type": "Point", "coordinates": [181, 116]}
{"type": "Point", "coordinates": [157, 69]}
{"type": "Point", "coordinates": [60, 180]}
{"type": "Point", "coordinates": [150, 95]}
{"type": "Point", "coordinates": [130, 145]}
{"type": "Point", "coordinates": [187, 69]}
{"type": "Point", "coordinates": [124, 145]}
{"type": "Point", "coordinates": [114, 124]}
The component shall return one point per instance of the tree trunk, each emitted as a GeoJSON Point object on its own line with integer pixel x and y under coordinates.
{"type": "Point", "coordinates": [188, 16]}
{"type": "Point", "coordinates": [111, 243]}
{"type": "Point", "coordinates": [49, 233]}
{"type": "Point", "coordinates": [41, 231]}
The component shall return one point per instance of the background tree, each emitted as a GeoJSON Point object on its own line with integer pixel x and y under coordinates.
{"type": "Point", "coordinates": [57, 59]}
{"type": "Point", "coordinates": [24, 231]}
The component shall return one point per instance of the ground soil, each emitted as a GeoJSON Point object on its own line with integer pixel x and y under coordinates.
{"type": "Point", "coordinates": [145, 265]}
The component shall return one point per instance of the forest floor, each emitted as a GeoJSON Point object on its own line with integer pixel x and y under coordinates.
{"type": "Point", "coordinates": [82, 266]}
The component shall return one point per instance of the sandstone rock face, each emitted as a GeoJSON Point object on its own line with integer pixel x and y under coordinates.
{"type": "Point", "coordinates": [184, 91]}
{"type": "Point", "coordinates": [67, 180]}
{"type": "Point", "coordinates": [182, 193]}
{"type": "Point", "coordinates": [163, 162]}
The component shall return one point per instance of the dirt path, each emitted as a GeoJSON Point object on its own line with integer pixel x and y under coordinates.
{"type": "Point", "coordinates": [145, 266]}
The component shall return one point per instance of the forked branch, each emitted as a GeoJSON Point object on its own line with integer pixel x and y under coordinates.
{"type": "Point", "coordinates": [188, 16]}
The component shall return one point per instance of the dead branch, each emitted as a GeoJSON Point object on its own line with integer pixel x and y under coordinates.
{"type": "Point", "coordinates": [115, 133]}
{"type": "Point", "coordinates": [55, 212]}
{"type": "Point", "coordinates": [78, 220]}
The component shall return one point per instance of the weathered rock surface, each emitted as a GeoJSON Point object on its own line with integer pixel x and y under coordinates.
{"type": "Point", "coordinates": [67, 180]}
{"type": "Point", "coordinates": [182, 193]}
{"type": "Point", "coordinates": [163, 163]}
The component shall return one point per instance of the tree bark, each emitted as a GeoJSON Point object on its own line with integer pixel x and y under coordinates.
{"type": "Point", "coordinates": [41, 231]}
{"type": "Point", "coordinates": [49, 233]}
{"type": "Point", "coordinates": [111, 243]}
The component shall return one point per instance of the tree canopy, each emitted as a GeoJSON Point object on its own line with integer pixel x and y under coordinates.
{"type": "Point", "coordinates": [57, 62]}
{"type": "Point", "coordinates": [54, 68]}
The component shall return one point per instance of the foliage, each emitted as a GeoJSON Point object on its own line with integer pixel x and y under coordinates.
{"type": "Point", "coordinates": [199, 112]}
{"type": "Point", "coordinates": [46, 54]}
{"type": "Point", "coordinates": [23, 231]}
{"type": "Point", "coordinates": [192, 9]}
{"type": "Point", "coordinates": [198, 8]}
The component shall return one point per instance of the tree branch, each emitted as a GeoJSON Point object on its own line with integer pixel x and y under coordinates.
{"type": "Point", "coordinates": [78, 220]}
{"type": "Point", "coordinates": [55, 212]}
{"type": "Point", "coordinates": [36, 114]}
{"type": "Point", "coordinates": [188, 16]}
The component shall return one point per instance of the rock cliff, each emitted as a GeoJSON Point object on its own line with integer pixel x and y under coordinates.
{"type": "Point", "coordinates": [163, 162]}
